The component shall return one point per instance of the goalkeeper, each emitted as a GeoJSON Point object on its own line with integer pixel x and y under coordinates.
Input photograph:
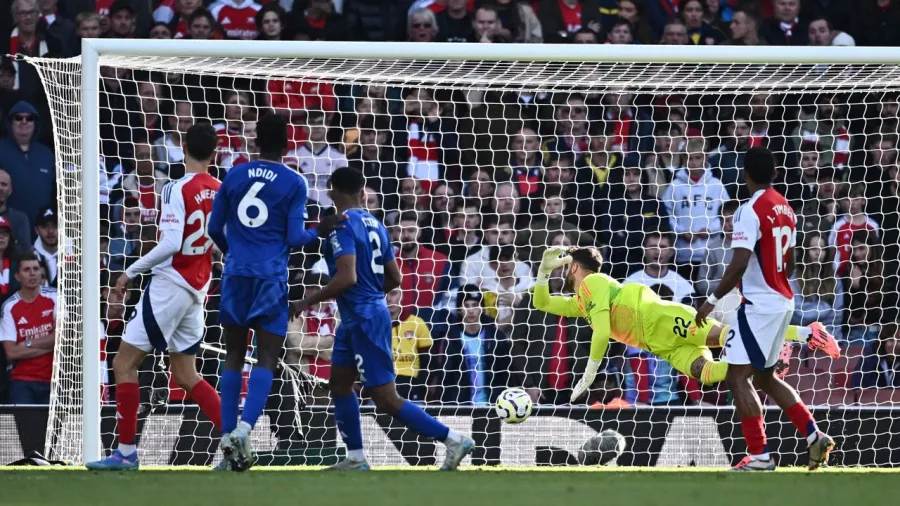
{"type": "Point", "coordinates": [634, 315]}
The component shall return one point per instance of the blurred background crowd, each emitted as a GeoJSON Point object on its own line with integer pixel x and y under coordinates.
{"type": "Point", "coordinates": [474, 185]}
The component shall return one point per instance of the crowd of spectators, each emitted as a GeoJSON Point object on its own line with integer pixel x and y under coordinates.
{"type": "Point", "coordinates": [474, 186]}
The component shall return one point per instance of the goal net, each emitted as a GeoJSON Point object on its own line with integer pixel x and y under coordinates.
{"type": "Point", "coordinates": [476, 166]}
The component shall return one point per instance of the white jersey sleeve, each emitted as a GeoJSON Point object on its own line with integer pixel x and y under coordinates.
{"type": "Point", "coordinates": [7, 325]}
{"type": "Point", "coordinates": [171, 229]}
{"type": "Point", "coordinates": [746, 228]}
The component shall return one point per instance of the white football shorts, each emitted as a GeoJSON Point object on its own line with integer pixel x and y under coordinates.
{"type": "Point", "coordinates": [755, 338]}
{"type": "Point", "coordinates": [168, 317]}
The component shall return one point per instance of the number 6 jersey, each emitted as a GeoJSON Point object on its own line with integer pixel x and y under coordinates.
{"type": "Point", "coordinates": [766, 225]}
{"type": "Point", "coordinates": [186, 206]}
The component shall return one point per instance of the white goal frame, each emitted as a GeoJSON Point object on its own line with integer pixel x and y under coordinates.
{"type": "Point", "coordinates": [94, 49]}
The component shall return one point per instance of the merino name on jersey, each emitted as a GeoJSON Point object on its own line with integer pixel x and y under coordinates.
{"type": "Point", "coordinates": [767, 226]}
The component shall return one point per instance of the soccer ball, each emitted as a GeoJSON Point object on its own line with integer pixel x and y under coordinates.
{"type": "Point", "coordinates": [602, 448]}
{"type": "Point", "coordinates": [513, 405]}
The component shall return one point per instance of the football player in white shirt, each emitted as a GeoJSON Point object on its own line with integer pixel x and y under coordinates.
{"type": "Point", "coordinates": [170, 312]}
{"type": "Point", "coordinates": [763, 259]}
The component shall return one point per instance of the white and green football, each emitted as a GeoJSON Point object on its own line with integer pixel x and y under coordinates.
{"type": "Point", "coordinates": [513, 405]}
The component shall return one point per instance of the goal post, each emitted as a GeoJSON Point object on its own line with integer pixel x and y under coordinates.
{"type": "Point", "coordinates": [551, 69]}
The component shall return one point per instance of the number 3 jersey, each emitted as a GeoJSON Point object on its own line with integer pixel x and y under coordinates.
{"type": "Point", "coordinates": [766, 225]}
{"type": "Point", "coordinates": [367, 238]}
{"type": "Point", "coordinates": [186, 205]}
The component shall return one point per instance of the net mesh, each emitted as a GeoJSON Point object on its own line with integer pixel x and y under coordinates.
{"type": "Point", "coordinates": [464, 156]}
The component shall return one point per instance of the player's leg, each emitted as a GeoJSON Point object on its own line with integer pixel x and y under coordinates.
{"type": "Point", "coordinates": [184, 372]}
{"type": "Point", "coordinates": [128, 399]}
{"type": "Point", "coordinates": [346, 407]}
{"type": "Point", "coordinates": [230, 383]}
{"type": "Point", "coordinates": [819, 443]}
{"type": "Point", "coordinates": [372, 347]}
{"type": "Point", "coordinates": [753, 346]}
{"type": "Point", "coordinates": [815, 335]}
{"type": "Point", "coordinates": [184, 345]}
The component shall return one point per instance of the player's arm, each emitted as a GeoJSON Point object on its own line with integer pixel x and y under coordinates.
{"type": "Point", "coordinates": [553, 304]}
{"type": "Point", "coordinates": [343, 247]}
{"type": "Point", "coordinates": [595, 290]}
{"type": "Point", "coordinates": [13, 350]}
{"type": "Point", "coordinates": [216, 226]}
{"type": "Point", "coordinates": [171, 229]}
{"type": "Point", "coordinates": [743, 240]}
{"type": "Point", "coordinates": [298, 235]}
{"type": "Point", "coordinates": [392, 276]}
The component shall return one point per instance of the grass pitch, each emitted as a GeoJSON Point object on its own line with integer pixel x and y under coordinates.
{"type": "Point", "coordinates": [495, 487]}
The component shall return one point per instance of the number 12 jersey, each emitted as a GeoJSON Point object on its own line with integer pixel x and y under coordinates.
{"type": "Point", "coordinates": [766, 225]}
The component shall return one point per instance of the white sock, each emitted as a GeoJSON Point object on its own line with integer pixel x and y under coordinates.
{"type": "Point", "coordinates": [127, 450]}
{"type": "Point", "coordinates": [356, 455]}
{"type": "Point", "coordinates": [243, 429]}
{"type": "Point", "coordinates": [454, 436]}
{"type": "Point", "coordinates": [803, 334]}
{"type": "Point", "coordinates": [761, 456]}
{"type": "Point", "coordinates": [812, 437]}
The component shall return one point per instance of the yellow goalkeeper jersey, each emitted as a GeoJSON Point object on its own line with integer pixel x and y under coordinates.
{"type": "Point", "coordinates": [613, 310]}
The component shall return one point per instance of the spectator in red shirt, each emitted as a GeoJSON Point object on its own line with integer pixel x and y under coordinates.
{"type": "Point", "coordinates": [311, 334]}
{"type": "Point", "coordinates": [121, 20]}
{"type": "Point", "coordinates": [318, 21]}
{"type": "Point", "coordinates": [145, 183]}
{"type": "Point", "coordinates": [236, 17]}
{"type": "Point", "coordinates": [561, 19]}
{"type": "Point", "coordinates": [425, 271]}
{"type": "Point", "coordinates": [853, 204]}
{"type": "Point", "coordinates": [27, 330]}
{"type": "Point", "coordinates": [150, 94]}
{"type": "Point", "coordinates": [175, 14]}
{"type": "Point", "coordinates": [271, 21]}
{"type": "Point", "coordinates": [526, 162]}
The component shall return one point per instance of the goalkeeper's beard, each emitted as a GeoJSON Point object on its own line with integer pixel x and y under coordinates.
{"type": "Point", "coordinates": [570, 280]}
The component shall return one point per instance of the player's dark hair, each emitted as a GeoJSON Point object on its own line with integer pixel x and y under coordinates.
{"type": "Point", "coordinates": [271, 137]}
{"type": "Point", "coordinates": [28, 256]}
{"type": "Point", "coordinates": [759, 165]}
{"type": "Point", "coordinates": [469, 292]}
{"type": "Point", "coordinates": [730, 207]}
{"type": "Point", "coordinates": [347, 181]}
{"type": "Point", "coordinates": [408, 216]}
{"type": "Point", "coordinates": [507, 219]}
{"type": "Point", "coordinates": [503, 253]}
{"type": "Point", "coordinates": [659, 234]}
{"type": "Point", "coordinates": [664, 292]}
{"type": "Point", "coordinates": [587, 257]}
{"type": "Point", "coordinates": [315, 114]}
{"type": "Point", "coordinates": [200, 141]}
{"type": "Point", "coordinates": [131, 202]}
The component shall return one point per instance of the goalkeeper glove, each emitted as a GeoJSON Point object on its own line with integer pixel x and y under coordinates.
{"type": "Point", "coordinates": [584, 384]}
{"type": "Point", "coordinates": [554, 257]}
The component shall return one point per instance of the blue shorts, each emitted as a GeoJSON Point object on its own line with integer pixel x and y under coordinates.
{"type": "Point", "coordinates": [366, 347]}
{"type": "Point", "coordinates": [254, 303]}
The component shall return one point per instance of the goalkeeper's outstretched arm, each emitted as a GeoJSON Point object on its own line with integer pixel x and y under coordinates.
{"type": "Point", "coordinates": [553, 304]}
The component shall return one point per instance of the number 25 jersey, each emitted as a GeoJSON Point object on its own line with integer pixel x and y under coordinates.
{"type": "Point", "coordinates": [186, 206]}
{"type": "Point", "coordinates": [367, 238]}
{"type": "Point", "coordinates": [766, 225]}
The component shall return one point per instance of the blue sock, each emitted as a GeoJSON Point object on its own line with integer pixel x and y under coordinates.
{"type": "Point", "coordinates": [230, 392]}
{"type": "Point", "coordinates": [258, 389]}
{"type": "Point", "coordinates": [418, 420]}
{"type": "Point", "coordinates": [346, 415]}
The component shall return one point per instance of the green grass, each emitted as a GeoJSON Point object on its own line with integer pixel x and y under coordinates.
{"type": "Point", "coordinates": [495, 487]}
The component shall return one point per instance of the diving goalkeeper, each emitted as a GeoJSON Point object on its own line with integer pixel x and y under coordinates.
{"type": "Point", "coordinates": [634, 315]}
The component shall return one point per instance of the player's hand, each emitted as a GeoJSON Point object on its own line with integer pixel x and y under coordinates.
{"type": "Point", "coordinates": [704, 311]}
{"type": "Point", "coordinates": [298, 308]}
{"type": "Point", "coordinates": [122, 284]}
{"type": "Point", "coordinates": [586, 381]}
{"type": "Point", "coordinates": [331, 223]}
{"type": "Point", "coordinates": [554, 257]}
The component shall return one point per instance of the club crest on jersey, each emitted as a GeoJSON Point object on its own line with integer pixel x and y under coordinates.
{"type": "Point", "coordinates": [47, 312]}
{"type": "Point", "coordinates": [335, 244]}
